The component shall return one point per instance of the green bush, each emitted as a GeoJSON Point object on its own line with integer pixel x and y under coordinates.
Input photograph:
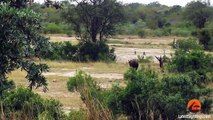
{"type": "Point", "coordinates": [139, 90]}
{"type": "Point", "coordinates": [52, 28]}
{"type": "Point", "coordinates": [142, 33]}
{"type": "Point", "coordinates": [60, 51]}
{"type": "Point", "coordinates": [90, 51]}
{"type": "Point", "coordinates": [206, 39]}
{"type": "Point", "coordinates": [127, 29]}
{"type": "Point", "coordinates": [179, 89]}
{"type": "Point", "coordinates": [188, 44]}
{"type": "Point", "coordinates": [181, 32]}
{"type": "Point", "coordinates": [194, 60]}
{"type": "Point", "coordinates": [159, 32]}
{"type": "Point", "coordinates": [91, 95]}
{"type": "Point", "coordinates": [22, 103]}
{"type": "Point", "coordinates": [77, 115]}
{"type": "Point", "coordinates": [146, 96]}
{"type": "Point", "coordinates": [6, 85]}
{"type": "Point", "coordinates": [85, 51]}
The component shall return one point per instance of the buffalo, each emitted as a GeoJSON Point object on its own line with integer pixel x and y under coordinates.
{"type": "Point", "coordinates": [134, 63]}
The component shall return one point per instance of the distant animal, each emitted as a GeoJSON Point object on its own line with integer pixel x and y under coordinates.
{"type": "Point", "coordinates": [144, 53]}
{"type": "Point", "coordinates": [160, 59]}
{"type": "Point", "coordinates": [134, 63]}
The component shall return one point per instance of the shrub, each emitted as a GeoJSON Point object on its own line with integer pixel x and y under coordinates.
{"type": "Point", "coordinates": [167, 31]}
{"type": "Point", "coordinates": [91, 95]}
{"type": "Point", "coordinates": [84, 51]}
{"type": "Point", "coordinates": [77, 115]}
{"type": "Point", "coordinates": [157, 32]}
{"type": "Point", "coordinates": [194, 60]}
{"type": "Point", "coordinates": [90, 51]}
{"type": "Point", "coordinates": [7, 85]}
{"type": "Point", "coordinates": [139, 90]}
{"type": "Point", "coordinates": [126, 29]}
{"type": "Point", "coordinates": [60, 51]}
{"type": "Point", "coordinates": [178, 90]}
{"type": "Point", "coordinates": [146, 96]}
{"type": "Point", "coordinates": [52, 28]}
{"type": "Point", "coordinates": [22, 103]}
{"type": "Point", "coordinates": [181, 32]}
{"type": "Point", "coordinates": [188, 44]}
{"type": "Point", "coordinates": [206, 39]}
{"type": "Point", "coordinates": [142, 33]}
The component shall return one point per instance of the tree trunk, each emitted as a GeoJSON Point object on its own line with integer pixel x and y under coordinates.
{"type": "Point", "coordinates": [93, 36]}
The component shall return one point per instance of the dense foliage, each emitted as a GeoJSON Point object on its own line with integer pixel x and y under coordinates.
{"type": "Point", "coordinates": [187, 44]}
{"type": "Point", "coordinates": [195, 60]}
{"type": "Point", "coordinates": [91, 95]}
{"type": "Point", "coordinates": [146, 95]}
{"type": "Point", "coordinates": [94, 18]}
{"type": "Point", "coordinates": [198, 12]}
{"type": "Point", "coordinates": [206, 39]}
{"type": "Point", "coordinates": [59, 51]}
{"type": "Point", "coordinates": [152, 19]}
{"type": "Point", "coordinates": [21, 40]}
{"type": "Point", "coordinates": [99, 51]}
{"type": "Point", "coordinates": [22, 103]}
{"type": "Point", "coordinates": [84, 51]}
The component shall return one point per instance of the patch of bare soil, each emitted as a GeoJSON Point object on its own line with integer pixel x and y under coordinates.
{"type": "Point", "coordinates": [62, 38]}
{"type": "Point", "coordinates": [149, 40]}
{"type": "Point", "coordinates": [95, 75]}
{"type": "Point", "coordinates": [125, 54]}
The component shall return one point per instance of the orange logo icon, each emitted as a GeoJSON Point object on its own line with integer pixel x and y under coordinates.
{"type": "Point", "coordinates": [194, 105]}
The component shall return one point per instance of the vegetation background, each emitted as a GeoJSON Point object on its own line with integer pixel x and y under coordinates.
{"type": "Point", "coordinates": [149, 93]}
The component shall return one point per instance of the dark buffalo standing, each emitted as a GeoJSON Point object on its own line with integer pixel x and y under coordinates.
{"type": "Point", "coordinates": [134, 63]}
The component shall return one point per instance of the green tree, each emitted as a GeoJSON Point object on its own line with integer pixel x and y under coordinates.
{"type": "Point", "coordinates": [21, 40]}
{"type": "Point", "coordinates": [198, 12]}
{"type": "Point", "coordinates": [94, 17]}
{"type": "Point", "coordinates": [206, 39]}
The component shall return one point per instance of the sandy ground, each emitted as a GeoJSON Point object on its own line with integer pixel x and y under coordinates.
{"type": "Point", "coordinates": [124, 54]}
{"type": "Point", "coordinates": [94, 75]}
{"type": "Point", "coordinates": [148, 40]}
